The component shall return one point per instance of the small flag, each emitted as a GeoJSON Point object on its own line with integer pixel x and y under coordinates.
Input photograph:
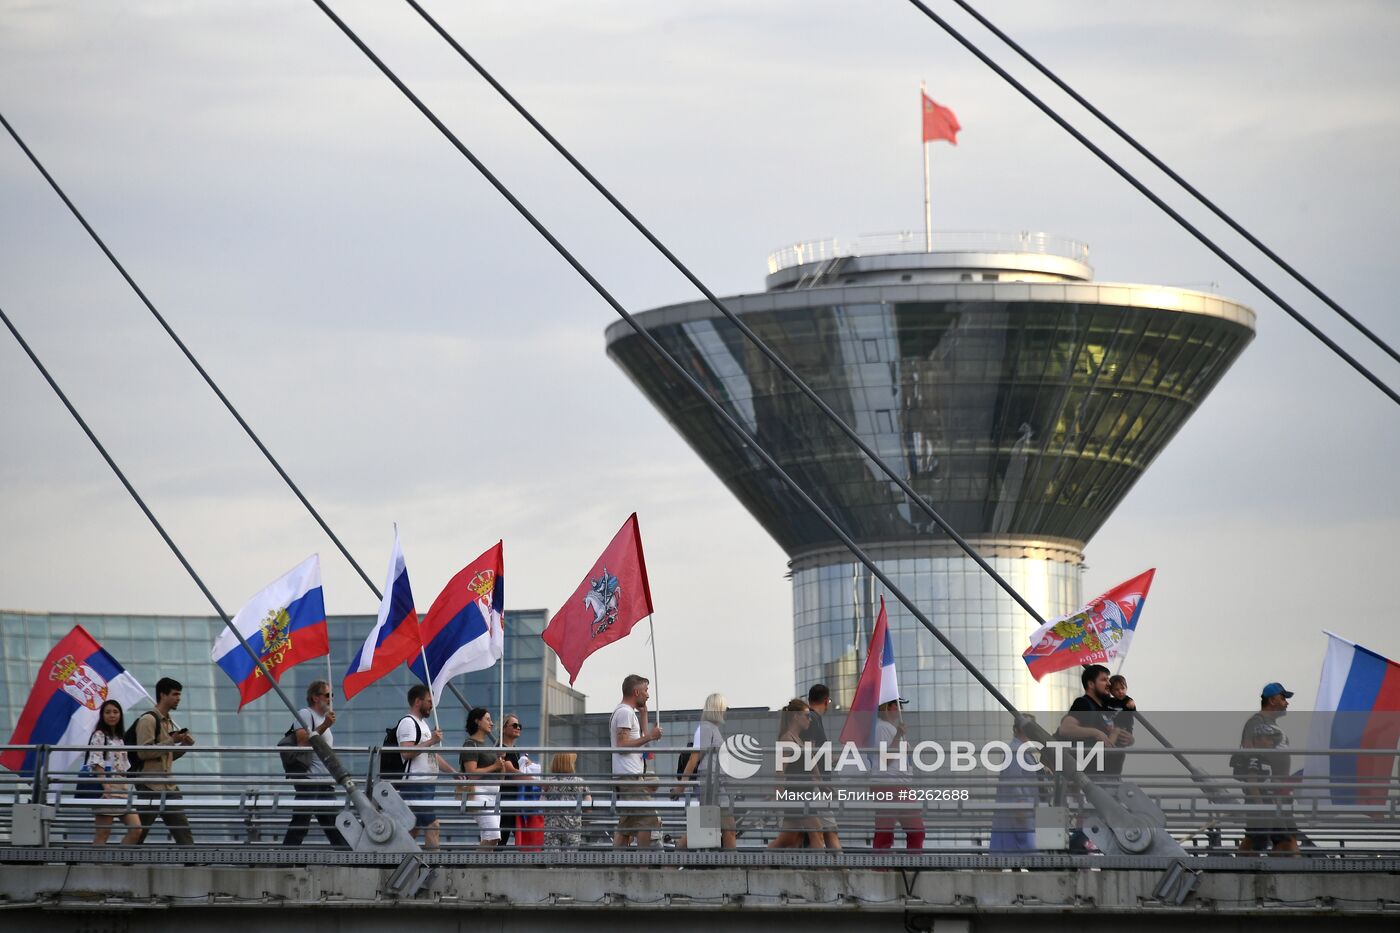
{"type": "Point", "coordinates": [284, 624]}
{"type": "Point", "coordinates": [74, 680]}
{"type": "Point", "coordinates": [394, 640]}
{"type": "Point", "coordinates": [611, 599]}
{"type": "Point", "coordinates": [464, 629]}
{"type": "Point", "coordinates": [1096, 634]}
{"type": "Point", "coordinates": [939, 122]}
{"type": "Point", "coordinates": [1358, 706]}
{"type": "Point", "coordinates": [877, 686]}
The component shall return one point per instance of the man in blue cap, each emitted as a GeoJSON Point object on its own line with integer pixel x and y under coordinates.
{"type": "Point", "coordinates": [1263, 773]}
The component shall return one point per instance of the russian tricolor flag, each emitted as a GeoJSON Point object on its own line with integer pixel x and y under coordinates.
{"type": "Point", "coordinates": [284, 624]}
{"type": "Point", "coordinates": [464, 629]}
{"type": "Point", "coordinates": [877, 686]}
{"type": "Point", "coordinates": [1361, 691]}
{"type": "Point", "coordinates": [76, 678]}
{"type": "Point", "coordinates": [394, 639]}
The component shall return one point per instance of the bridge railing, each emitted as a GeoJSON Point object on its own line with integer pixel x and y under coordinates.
{"type": "Point", "coordinates": [236, 803]}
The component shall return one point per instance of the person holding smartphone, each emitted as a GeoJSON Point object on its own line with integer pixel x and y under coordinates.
{"type": "Point", "coordinates": [155, 727]}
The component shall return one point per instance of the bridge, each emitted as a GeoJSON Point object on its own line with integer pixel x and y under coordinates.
{"type": "Point", "coordinates": [238, 873]}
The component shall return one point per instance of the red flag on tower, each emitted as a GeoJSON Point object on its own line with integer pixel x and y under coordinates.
{"type": "Point", "coordinates": [612, 598]}
{"type": "Point", "coordinates": [939, 122]}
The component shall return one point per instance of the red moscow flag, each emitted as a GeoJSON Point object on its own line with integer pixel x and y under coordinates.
{"type": "Point", "coordinates": [939, 122]}
{"type": "Point", "coordinates": [610, 600]}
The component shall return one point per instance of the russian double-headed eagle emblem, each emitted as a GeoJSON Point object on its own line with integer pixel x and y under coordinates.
{"type": "Point", "coordinates": [276, 638]}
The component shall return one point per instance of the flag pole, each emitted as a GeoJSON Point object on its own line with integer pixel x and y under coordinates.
{"type": "Point", "coordinates": [655, 695]}
{"type": "Point", "coordinates": [427, 674]}
{"type": "Point", "coordinates": [502, 673]}
{"type": "Point", "coordinates": [928, 202]}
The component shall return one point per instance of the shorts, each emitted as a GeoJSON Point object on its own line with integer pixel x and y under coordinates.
{"type": "Point", "coordinates": [420, 790]}
{"type": "Point", "coordinates": [488, 818]}
{"type": "Point", "coordinates": [636, 787]}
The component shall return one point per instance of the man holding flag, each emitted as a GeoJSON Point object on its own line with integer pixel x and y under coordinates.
{"type": "Point", "coordinates": [875, 720]}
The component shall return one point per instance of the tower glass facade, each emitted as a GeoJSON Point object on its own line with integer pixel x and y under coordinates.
{"type": "Point", "coordinates": [1023, 411]}
{"type": "Point", "coordinates": [833, 618]}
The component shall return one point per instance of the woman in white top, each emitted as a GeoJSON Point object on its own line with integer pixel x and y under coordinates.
{"type": "Point", "coordinates": [107, 762]}
{"type": "Point", "coordinates": [701, 760]}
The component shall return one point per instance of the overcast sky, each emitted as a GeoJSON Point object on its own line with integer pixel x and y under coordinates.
{"type": "Point", "coordinates": [414, 352]}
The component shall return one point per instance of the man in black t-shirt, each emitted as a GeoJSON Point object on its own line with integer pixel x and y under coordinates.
{"type": "Point", "coordinates": [1090, 720]}
{"type": "Point", "coordinates": [1263, 773]}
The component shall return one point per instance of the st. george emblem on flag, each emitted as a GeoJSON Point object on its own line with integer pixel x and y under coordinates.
{"type": "Point", "coordinates": [284, 624]}
{"type": "Point", "coordinates": [613, 596]}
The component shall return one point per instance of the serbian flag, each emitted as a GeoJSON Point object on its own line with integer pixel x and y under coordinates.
{"type": "Point", "coordinates": [878, 685]}
{"type": "Point", "coordinates": [1358, 706]}
{"type": "Point", "coordinates": [464, 630]}
{"type": "Point", "coordinates": [939, 122]}
{"type": "Point", "coordinates": [75, 679]}
{"type": "Point", "coordinates": [284, 624]}
{"type": "Point", "coordinates": [394, 639]}
{"type": "Point", "coordinates": [612, 598]}
{"type": "Point", "coordinates": [1096, 634]}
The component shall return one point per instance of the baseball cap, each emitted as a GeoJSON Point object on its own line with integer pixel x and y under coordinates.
{"type": "Point", "coordinates": [1273, 690]}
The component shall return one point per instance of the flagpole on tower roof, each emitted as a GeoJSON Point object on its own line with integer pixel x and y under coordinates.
{"type": "Point", "coordinates": [928, 202]}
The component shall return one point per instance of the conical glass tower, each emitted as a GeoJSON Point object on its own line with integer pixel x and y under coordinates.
{"type": "Point", "coordinates": [1021, 398]}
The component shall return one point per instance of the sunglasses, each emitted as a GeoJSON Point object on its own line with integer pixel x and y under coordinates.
{"type": "Point", "coordinates": [514, 725]}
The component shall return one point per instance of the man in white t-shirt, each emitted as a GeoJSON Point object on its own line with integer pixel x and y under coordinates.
{"type": "Point", "coordinates": [421, 766]}
{"type": "Point", "coordinates": [628, 728]}
{"type": "Point", "coordinates": [318, 714]}
{"type": "Point", "coordinates": [890, 734]}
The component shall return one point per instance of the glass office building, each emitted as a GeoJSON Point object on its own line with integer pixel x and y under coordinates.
{"type": "Point", "coordinates": [1017, 396]}
{"type": "Point", "coordinates": [151, 647]}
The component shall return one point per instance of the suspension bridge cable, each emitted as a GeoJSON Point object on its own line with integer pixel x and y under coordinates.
{"type": "Point", "coordinates": [1161, 204]}
{"type": "Point", "coordinates": [1187, 186]}
{"type": "Point", "coordinates": [670, 359]}
{"type": "Point", "coordinates": [759, 343]}
{"type": "Point", "coordinates": [208, 379]}
{"type": "Point", "coordinates": [145, 509]}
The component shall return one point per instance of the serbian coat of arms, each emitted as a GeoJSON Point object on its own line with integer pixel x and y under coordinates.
{"type": "Point", "coordinates": [79, 681]}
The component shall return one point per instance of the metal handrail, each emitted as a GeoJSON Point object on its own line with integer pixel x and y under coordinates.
{"type": "Point", "coordinates": [908, 241]}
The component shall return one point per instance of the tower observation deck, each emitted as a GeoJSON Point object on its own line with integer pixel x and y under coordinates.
{"type": "Point", "coordinates": [1017, 395]}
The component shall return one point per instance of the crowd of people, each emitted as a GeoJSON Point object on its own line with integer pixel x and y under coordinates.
{"type": "Point", "coordinates": [494, 770]}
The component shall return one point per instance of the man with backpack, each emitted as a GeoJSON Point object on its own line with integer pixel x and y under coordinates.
{"type": "Point", "coordinates": [313, 778]}
{"type": "Point", "coordinates": [421, 766]}
{"type": "Point", "coordinates": [159, 797]}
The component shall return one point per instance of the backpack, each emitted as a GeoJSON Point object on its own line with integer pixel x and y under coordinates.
{"type": "Point", "coordinates": [296, 761]}
{"type": "Point", "coordinates": [682, 760]}
{"type": "Point", "coordinates": [392, 764]}
{"type": "Point", "coordinates": [136, 762]}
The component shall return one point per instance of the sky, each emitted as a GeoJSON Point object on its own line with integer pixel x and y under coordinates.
{"type": "Point", "coordinates": [414, 353]}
